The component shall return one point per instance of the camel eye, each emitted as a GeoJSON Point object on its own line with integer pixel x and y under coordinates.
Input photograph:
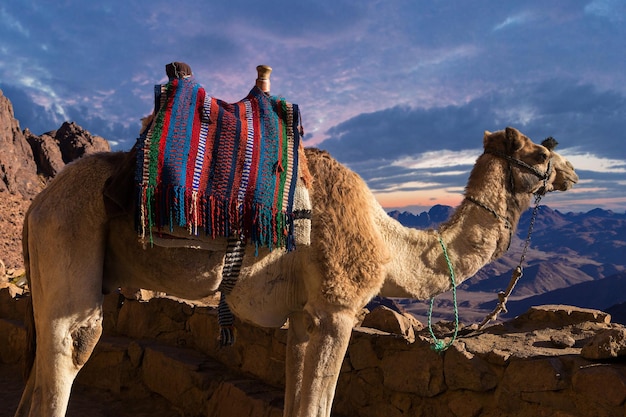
{"type": "Point", "coordinates": [543, 157]}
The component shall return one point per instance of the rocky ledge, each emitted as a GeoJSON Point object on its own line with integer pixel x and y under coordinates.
{"type": "Point", "coordinates": [551, 361]}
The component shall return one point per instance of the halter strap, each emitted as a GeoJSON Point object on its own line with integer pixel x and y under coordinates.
{"type": "Point", "coordinates": [507, 223]}
{"type": "Point", "coordinates": [541, 175]}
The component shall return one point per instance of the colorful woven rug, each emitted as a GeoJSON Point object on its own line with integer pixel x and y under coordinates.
{"type": "Point", "coordinates": [226, 169]}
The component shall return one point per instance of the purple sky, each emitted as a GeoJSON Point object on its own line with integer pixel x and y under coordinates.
{"type": "Point", "coordinates": [400, 91]}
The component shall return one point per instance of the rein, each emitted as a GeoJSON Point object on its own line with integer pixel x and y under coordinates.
{"type": "Point", "coordinates": [438, 345]}
{"type": "Point", "coordinates": [518, 271]}
{"type": "Point", "coordinates": [503, 296]}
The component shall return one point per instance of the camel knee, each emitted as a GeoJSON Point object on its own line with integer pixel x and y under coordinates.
{"type": "Point", "coordinates": [84, 340]}
{"type": "Point", "coordinates": [316, 321]}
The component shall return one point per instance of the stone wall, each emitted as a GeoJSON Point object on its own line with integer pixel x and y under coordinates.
{"type": "Point", "coordinates": [552, 361]}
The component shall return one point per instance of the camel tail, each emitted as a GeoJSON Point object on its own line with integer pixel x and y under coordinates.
{"type": "Point", "coordinates": [29, 319]}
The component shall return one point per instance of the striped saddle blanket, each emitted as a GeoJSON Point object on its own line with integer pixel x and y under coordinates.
{"type": "Point", "coordinates": [229, 170]}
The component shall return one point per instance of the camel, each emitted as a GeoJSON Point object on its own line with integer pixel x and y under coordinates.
{"type": "Point", "coordinates": [74, 253]}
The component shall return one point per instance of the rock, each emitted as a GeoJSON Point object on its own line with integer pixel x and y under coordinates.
{"type": "Point", "coordinates": [418, 371]}
{"type": "Point", "coordinates": [244, 398]}
{"type": "Point", "coordinates": [13, 207]}
{"type": "Point", "coordinates": [464, 370]}
{"type": "Point", "coordinates": [185, 384]}
{"type": "Point", "coordinates": [108, 366]}
{"type": "Point", "coordinates": [27, 162]}
{"type": "Point", "coordinates": [498, 372]}
{"type": "Point", "coordinates": [562, 341]}
{"type": "Point", "coordinates": [387, 320]}
{"type": "Point", "coordinates": [529, 380]}
{"type": "Point", "coordinates": [76, 142]}
{"type": "Point", "coordinates": [599, 384]}
{"type": "Point", "coordinates": [165, 320]}
{"type": "Point", "coordinates": [18, 172]}
{"type": "Point", "coordinates": [606, 344]}
{"type": "Point", "coordinates": [46, 153]}
{"type": "Point", "coordinates": [560, 315]}
{"type": "Point", "coordinates": [13, 345]}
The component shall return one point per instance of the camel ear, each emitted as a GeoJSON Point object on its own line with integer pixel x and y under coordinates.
{"type": "Point", "coordinates": [514, 140]}
{"type": "Point", "coordinates": [486, 138]}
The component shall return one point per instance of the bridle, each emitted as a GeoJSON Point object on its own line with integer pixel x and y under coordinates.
{"type": "Point", "coordinates": [439, 345]}
{"type": "Point", "coordinates": [544, 176]}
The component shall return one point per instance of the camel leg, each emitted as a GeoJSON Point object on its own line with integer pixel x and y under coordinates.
{"type": "Point", "coordinates": [64, 348]}
{"type": "Point", "coordinates": [297, 340]}
{"type": "Point", "coordinates": [329, 328]}
{"type": "Point", "coordinates": [67, 306]}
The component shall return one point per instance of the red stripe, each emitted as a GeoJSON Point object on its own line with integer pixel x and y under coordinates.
{"type": "Point", "coordinates": [241, 152]}
{"type": "Point", "coordinates": [169, 104]}
{"type": "Point", "coordinates": [195, 139]}
{"type": "Point", "coordinates": [241, 159]}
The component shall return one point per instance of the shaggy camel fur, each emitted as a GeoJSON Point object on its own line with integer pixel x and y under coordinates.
{"type": "Point", "coordinates": [73, 253]}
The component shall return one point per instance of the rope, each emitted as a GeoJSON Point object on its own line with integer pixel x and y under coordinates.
{"type": "Point", "coordinates": [518, 272]}
{"type": "Point", "coordinates": [230, 273]}
{"type": "Point", "coordinates": [439, 345]}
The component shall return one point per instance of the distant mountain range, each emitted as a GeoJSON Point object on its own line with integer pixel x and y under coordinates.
{"type": "Point", "coordinates": [574, 258]}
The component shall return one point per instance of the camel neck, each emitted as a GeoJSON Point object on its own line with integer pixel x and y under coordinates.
{"type": "Point", "coordinates": [475, 235]}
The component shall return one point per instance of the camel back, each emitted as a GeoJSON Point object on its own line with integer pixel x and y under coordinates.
{"type": "Point", "coordinates": [227, 169]}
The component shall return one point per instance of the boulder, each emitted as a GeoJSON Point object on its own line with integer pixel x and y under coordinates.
{"type": "Point", "coordinates": [390, 321]}
{"type": "Point", "coordinates": [606, 344]}
{"type": "Point", "coordinates": [560, 315]}
{"type": "Point", "coordinates": [46, 153]}
{"type": "Point", "coordinates": [76, 142]}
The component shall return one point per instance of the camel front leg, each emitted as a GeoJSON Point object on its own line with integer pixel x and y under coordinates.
{"type": "Point", "coordinates": [297, 340]}
{"type": "Point", "coordinates": [329, 328]}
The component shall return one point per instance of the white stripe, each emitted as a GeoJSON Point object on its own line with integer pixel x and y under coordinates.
{"type": "Point", "coordinates": [245, 176]}
{"type": "Point", "coordinates": [204, 128]}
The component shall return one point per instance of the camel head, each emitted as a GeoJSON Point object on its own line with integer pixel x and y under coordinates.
{"type": "Point", "coordinates": [539, 168]}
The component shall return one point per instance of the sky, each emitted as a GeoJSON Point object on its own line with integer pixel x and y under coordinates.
{"type": "Point", "coordinates": [401, 91]}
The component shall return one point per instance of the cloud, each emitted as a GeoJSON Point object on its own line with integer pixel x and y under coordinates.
{"type": "Point", "coordinates": [9, 21]}
{"type": "Point", "coordinates": [30, 114]}
{"type": "Point", "coordinates": [400, 91]}
{"type": "Point", "coordinates": [576, 115]}
{"type": "Point", "coordinates": [397, 150]}
{"type": "Point", "coordinates": [613, 10]}
{"type": "Point", "coordinates": [439, 159]}
{"type": "Point", "coordinates": [511, 21]}
{"type": "Point", "coordinates": [589, 162]}
{"type": "Point", "coordinates": [398, 132]}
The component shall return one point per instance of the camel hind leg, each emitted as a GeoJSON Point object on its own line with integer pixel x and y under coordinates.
{"type": "Point", "coordinates": [64, 251]}
{"type": "Point", "coordinates": [68, 325]}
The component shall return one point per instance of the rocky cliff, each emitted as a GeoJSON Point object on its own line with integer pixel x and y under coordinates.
{"type": "Point", "coordinates": [27, 163]}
